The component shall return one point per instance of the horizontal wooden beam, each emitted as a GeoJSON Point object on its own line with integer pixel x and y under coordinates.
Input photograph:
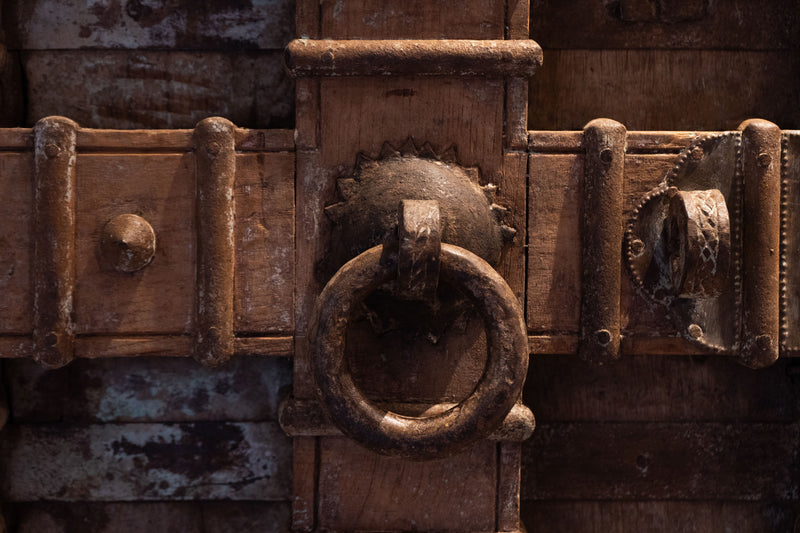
{"type": "Point", "coordinates": [147, 389]}
{"type": "Point", "coordinates": [110, 462]}
{"type": "Point", "coordinates": [131, 517]}
{"type": "Point", "coordinates": [621, 517]}
{"type": "Point", "coordinates": [185, 25]}
{"type": "Point", "coordinates": [661, 461]}
{"type": "Point", "coordinates": [137, 141]}
{"type": "Point", "coordinates": [153, 345]}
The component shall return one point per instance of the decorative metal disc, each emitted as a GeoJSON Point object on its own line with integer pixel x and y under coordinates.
{"type": "Point", "coordinates": [682, 244]}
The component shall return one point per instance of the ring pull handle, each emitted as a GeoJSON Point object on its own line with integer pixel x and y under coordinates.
{"type": "Point", "coordinates": [499, 388]}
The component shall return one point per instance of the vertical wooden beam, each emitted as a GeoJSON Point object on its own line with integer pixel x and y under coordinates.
{"type": "Point", "coordinates": [305, 484]}
{"type": "Point", "coordinates": [761, 166]}
{"type": "Point", "coordinates": [54, 241]}
{"type": "Point", "coordinates": [215, 162]}
{"type": "Point", "coordinates": [601, 239]}
{"type": "Point", "coordinates": [509, 466]}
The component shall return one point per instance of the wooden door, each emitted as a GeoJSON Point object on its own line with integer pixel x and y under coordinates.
{"type": "Point", "coordinates": [134, 434]}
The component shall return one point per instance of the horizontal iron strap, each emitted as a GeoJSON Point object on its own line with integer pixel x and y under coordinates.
{"type": "Point", "coordinates": [316, 58]}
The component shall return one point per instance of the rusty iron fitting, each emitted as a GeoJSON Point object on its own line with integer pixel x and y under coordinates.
{"type": "Point", "coordinates": [435, 57]}
{"type": "Point", "coordinates": [444, 433]}
{"type": "Point", "coordinates": [420, 235]}
{"type": "Point", "coordinates": [602, 232]}
{"type": "Point", "coordinates": [127, 243]}
{"type": "Point", "coordinates": [699, 236]}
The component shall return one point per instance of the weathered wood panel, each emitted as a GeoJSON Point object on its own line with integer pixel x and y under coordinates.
{"type": "Point", "coordinates": [662, 461]}
{"type": "Point", "coordinates": [403, 495]}
{"type": "Point", "coordinates": [111, 462]}
{"type": "Point", "coordinates": [12, 92]}
{"type": "Point", "coordinates": [172, 517]}
{"type": "Point", "coordinates": [148, 389]}
{"type": "Point", "coordinates": [150, 89]}
{"type": "Point", "coordinates": [661, 388]}
{"type": "Point", "coordinates": [264, 243]}
{"type": "Point", "coordinates": [16, 213]}
{"type": "Point", "coordinates": [684, 24]}
{"type": "Point", "coordinates": [158, 298]}
{"type": "Point", "coordinates": [139, 24]}
{"type": "Point", "coordinates": [554, 273]}
{"type": "Point", "coordinates": [412, 19]}
{"type": "Point", "coordinates": [686, 517]}
{"type": "Point", "coordinates": [664, 90]}
{"type": "Point", "coordinates": [161, 189]}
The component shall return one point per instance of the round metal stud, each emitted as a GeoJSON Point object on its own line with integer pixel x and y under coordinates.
{"type": "Point", "coordinates": [128, 243]}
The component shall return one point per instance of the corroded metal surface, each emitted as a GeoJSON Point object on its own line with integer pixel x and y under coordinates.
{"type": "Point", "coordinates": [367, 214]}
{"type": "Point", "coordinates": [307, 418]}
{"type": "Point", "coordinates": [420, 243]}
{"type": "Point", "coordinates": [441, 57]}
{"type": "Point", "coordinates": [420, 438]}
{"type": "Point", "coordinates": [790, 243]}
{"type": "Point", "coordinates": [54, 241]}
{"type": "Point", "coordinates": [698, 230]}
{"type": "Point", "coordinates": [761, 162]}
{"type": "Point", "coordinates": [215, 161]}
{"type": "Point", "coordinates": [127, 243]}
{"type": "Point", "coordinates": [667, 253]}
{"type": "Point", "coordinates": [602, 230]}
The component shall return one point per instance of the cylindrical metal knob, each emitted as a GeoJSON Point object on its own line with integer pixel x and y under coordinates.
{"type": "Point", "coordinates": [128, 243]}
{"type": "Point", "coordinates": [699, 234]}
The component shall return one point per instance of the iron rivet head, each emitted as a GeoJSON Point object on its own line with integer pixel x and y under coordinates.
{"type": "Point", "coordinates": [213, 148]}
{"type": "Point", "coordinates": [603, 337]}
{"type": "Point", "coordinates": [764, 342]}
{"type": "Point", "coordinates": [672, 191]}
{"type": "Point", "coordinates": [695, 331]}
{"type": "Point", "coordinates": [52, 150]}
{"type": "Point", "coordinates": [606, 155]}
{"type": "Point", "coordinates": [51, 339]}
{"type": "Point", "coordinates": [637, 247]}
{"type": "Point", "coordinates": [128, 243]}
{"type": "Point", "coordinates": [764, 159]}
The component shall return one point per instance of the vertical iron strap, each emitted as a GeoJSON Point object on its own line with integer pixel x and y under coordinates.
{"type": "Point", "coordinates": [215, 164]}
{"type": "Point", "coordinates": [54, 241]}
{"type": "Point", "coordinates": [761, 166]}
{"type": "Point", "coordinates": [601, 238]}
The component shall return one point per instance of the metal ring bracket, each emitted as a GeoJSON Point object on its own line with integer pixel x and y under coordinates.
{"type": "Point", "coordinates": [389, 433]}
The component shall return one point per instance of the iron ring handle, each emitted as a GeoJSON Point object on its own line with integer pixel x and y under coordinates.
{"type": "Point", "coordinates": [496, 392]}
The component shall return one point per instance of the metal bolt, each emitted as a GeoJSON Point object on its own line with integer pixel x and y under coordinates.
{"type": "Point", "coordinates": [213, 148]}
{"type": "Point", "coordinates": [52, 150]}
{"type": "Point", "coordinates": [603, 337]}
{"type": "Point", "coordinates": [764, 342]}
{"type": "Point", "coordinates": [51, 339]}
{"type": "Point", "coordinates": [637, 247]}
{"type": "Point", "coordinates": [764, 159]}
{"type": "Point", "coordinates": [128, 243]}
{"type": "Point", "coordinates": [695, 331]}
{"type": "Point", "coordinates": [606, 155]}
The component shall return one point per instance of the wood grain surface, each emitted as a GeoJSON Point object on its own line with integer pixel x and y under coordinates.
{"type": "Point", "coordinates": [664, 89]}
{"type": "Point", "coordinates": [146, 461]}
{"type": "Point", "coordinates": [665, 24]}
{"type": "Point", "coordinates": [158, 89]}
{"type": "Point", "coordinates": [157, 517]}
